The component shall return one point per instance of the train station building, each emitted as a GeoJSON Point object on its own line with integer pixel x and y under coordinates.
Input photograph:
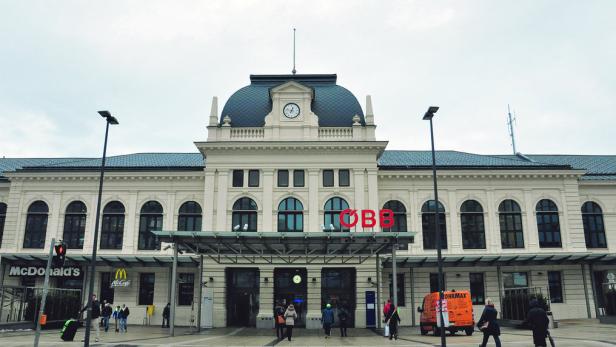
{"type": "Point", "coordinates": [254, 213]}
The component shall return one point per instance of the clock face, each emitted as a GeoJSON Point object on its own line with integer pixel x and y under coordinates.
{"type": "Point", "coordinates": [291, 110]}
{"type": "Point", "coordinates": [297, 279]}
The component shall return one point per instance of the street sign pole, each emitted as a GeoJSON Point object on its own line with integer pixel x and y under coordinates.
{"type": "Point", "coordinates": [37, 335]}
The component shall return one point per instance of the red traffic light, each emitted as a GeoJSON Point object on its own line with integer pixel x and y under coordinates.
{"type": "Point", "coordinates": [60, 249]}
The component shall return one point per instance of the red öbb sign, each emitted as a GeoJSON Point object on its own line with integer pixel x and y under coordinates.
{"type": "Point", "coordinates": [368, 218]}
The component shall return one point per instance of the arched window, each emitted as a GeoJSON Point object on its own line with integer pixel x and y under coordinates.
{"type": "Point", "coordinates": [151, 219]}
{"type": "Point", "coordinates": [331, 216]}
{"type": "Point", "coordinates": [112, 229]}
{"type": "Point", "coordinates": [594, 229]}
{"type": "Point", "coordinates": [399, 216]}
{"type": "Point", "coordinates": [473, 228]}
{"type": "Point", "coordinates": [510, 218]}
{"type": "Point", "coordinates": [2, 219]}
{"type": "Point", "coordinates": [74, 225]}
{"type": "Point", "coordinates": [36, 225]}
{"type": "Point", "coordinates": [244, 216]}
{"type": "Point", "coordinates": [427, 225]}
{"type": "Point", "coordinates": [548, 224]}
{"type": "Point", "coordinates": [189, 218]}
{"type": "Point", "coordinates": [290, 215]}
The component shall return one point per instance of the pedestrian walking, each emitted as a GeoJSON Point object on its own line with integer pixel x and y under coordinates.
{"type": "Point", "coordinates": [106, 315]}
{"type": "Point", "coordinates": [488, 325]}
{"type": "Point", "coordinates": [327, 319]}
{"type": "Point", "coordinates": [280, 320]}
{"type": "Point", "coordinates": [343, 320]}
{"type": "Point", "coordinates": [538, 321]}
{"type": "Point", "coordinates": [166, 313]}
{"type": "Point", "coordinates": [116, 317]}
{"type": "Point", "coordinates": [387, 308]}
{"type": "Point", "coordinates": [124, 318]}
{"type": "Point", "coordinates": [95, 306]}
{"type": "Point", "coordinates": [290, 315]}
{"type": "Point", "coordinates": [392, 321]}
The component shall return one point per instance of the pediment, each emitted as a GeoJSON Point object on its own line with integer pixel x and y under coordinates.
{"type": "Point", "coordinates": [292, 87]}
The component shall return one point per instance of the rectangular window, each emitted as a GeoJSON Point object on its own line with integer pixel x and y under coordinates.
{"type": "Point", "coordinates": [253, 178]}
{"type": "Point", "coordinates": [512, 280]}
{"type": "Point", "coordinates": [434, 282]}
{"type": "Point", "coordinates": [186, 289]}
{"type": "Point", "coordinates": [298, 178]}
{"type": "Point", "coordinates": [283, 178]}
{"type": "Point", "coordinates": [400, 285]}
{"type": "Point", "coordinates": [344, 179]}
{"type": "Point", "coordinates": [328, 178]}
{"type": "Point", "coordinates": [106, 292]}
{"type": "Point", "coordinates": [146, 288]}
{"type": "Point", "coordinates": [555, 284]}
{"type": "Point", "coordinates": [238, 178]}
{"type": "Point", "coordinates": [478, 295]}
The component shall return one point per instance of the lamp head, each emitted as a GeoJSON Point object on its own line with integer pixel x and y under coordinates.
{"type": "Point", "coordinates": [430, 113]}
{"type": "Point", "coordinates": [111, 119]}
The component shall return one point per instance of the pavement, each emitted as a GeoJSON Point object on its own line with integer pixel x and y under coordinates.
{"type": "Point", "coordinates": [574, 333]}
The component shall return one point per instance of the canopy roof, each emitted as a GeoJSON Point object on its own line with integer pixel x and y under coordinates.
{"type": "Point", "coordinates": [103, 260]}
{"type": "Point", "coordinates": [295, 247]}
{"type": "Point", "coordinates": [505, 260]}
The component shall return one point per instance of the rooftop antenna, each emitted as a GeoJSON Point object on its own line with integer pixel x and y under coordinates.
{"type": "Point", "coordinates": [510, 120]}
{"type": "Point", "coordinates": [294, 71]}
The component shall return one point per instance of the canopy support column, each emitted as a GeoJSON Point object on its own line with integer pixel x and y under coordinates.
{"type": "Point", "coordinates": [200, 292]}
{"type": "Point", "coordinates": [378, 291]}
{"type": "Point", "coordinates": [585, 290]}
{"type": "Point", "coordinates": [174, 274]}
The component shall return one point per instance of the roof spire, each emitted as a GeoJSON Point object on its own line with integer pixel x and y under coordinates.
{"type": "Point", "coordinates": [214, 112]}
{"type": "Point", "coordinates": [294, 71]}
{"type": "Point", "coordinates": [369, 112]}
{"type": "Point", "coordinates": [510, 120]}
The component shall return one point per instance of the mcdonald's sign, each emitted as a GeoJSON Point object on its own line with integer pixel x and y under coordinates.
{"type": "Point", "coordinates": [121, 279]}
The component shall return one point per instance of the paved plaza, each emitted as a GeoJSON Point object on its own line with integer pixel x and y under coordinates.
{"type": "Point", "coordinates": [570, 333]}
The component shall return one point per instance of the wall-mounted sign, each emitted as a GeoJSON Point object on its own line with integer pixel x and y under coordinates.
{"type": "Point", "coordinates": [368, 218]}
{"type": "Point", "coordinates": [120, 279]}
{"type": "Point", "coordinates": [68, 271]}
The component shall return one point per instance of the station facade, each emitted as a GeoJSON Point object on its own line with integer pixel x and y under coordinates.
{"type": "Point", "coordinates": [287, 154]}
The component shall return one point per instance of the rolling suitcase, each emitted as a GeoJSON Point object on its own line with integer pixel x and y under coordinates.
{"type": "Point", "coordinates": [69, 329]}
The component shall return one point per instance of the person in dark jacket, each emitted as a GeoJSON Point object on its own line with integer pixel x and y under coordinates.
{"type": "Point", "coordinates": [488, 324]}
{"type": "Point", "coordinates": [538, 321]}
{"type": "Point", "coordinates": [327, 318]}
{"type": "Point", "coordinates": [95, 306]}
{"type": "Point", "coordinates": [106, 314]}
{"type": "Point", "coordinates": [280, 320]}
{"type": "Point", "coordinates": [166, 314]}
{"type": "Point", "coordinates": [392, 319]}
{"type": "Point", "coordinates": [343, 319]}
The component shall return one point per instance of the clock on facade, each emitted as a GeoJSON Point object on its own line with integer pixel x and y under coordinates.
{"type": "Point", "coordinates": [297, 279]}
{"type": "Point", "coordinates": [291, 110]}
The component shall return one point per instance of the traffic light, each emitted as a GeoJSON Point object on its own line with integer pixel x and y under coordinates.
{"type": "Point", "coordinates": [60, 256]}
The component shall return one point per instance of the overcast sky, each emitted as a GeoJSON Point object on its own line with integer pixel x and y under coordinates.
{"type": "Point", "coordinates": [156, 65]}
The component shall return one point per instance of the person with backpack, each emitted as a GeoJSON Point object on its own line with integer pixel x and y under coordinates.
{"type": "Point", "coordinates": [280, 320]}
{"type": "Point", "coordinates": [95, 306]}
{"type": "Point", "coordinates": [327, 319]}
{"type": "Point", "coordinates": [488, 325]}
{"type": "Point", "coordinates": [290, 315]}
{"type": "Point", "coordinates": [538, 321]}
{"type": "Point", "coordinates": [392, 321]}
{"type": "Point", "coordinates": [343, 319]}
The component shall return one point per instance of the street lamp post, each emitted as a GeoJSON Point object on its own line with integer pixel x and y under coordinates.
{"type": "Point", "coordinates": [437, 231]}
{"type": "Point", "coordinates": [109, 120]}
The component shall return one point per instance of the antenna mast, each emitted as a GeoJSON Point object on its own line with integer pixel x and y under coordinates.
{"type": "Point", "coordinates": [294, 71]}
{"type": "Point", "coordinates": [510, 120]}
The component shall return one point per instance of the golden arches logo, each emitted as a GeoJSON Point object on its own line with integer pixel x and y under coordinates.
{"type": "Point", "coordinates": [120, 274]}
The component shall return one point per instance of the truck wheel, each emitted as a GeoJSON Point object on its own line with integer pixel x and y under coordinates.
{"type": "Point", "coordinates": [469, 331]}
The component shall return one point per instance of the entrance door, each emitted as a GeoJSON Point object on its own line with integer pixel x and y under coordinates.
{"type": "Point", "coordinates": [106, 292]}
{"type": "Point", "coordinates": [290, 288]}
{"type": "Point", "coordinates": [242, 297]}
{"type": "Point", "coordinates": [338, 289]}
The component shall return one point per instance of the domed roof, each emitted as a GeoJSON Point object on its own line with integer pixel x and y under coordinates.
{"type": "Point", "coordinates": [334, 105]}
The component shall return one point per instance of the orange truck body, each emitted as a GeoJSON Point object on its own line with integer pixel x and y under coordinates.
{"type": "Point", "coordinates": [459, 307]}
